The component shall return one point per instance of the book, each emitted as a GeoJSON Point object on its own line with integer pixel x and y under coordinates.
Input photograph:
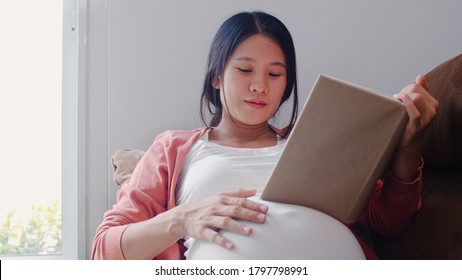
{"type": "Point", "coordinates": [338, 149]}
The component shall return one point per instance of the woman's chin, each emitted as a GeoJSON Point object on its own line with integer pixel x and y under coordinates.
{"type": "Point", "coordinates": [290, 232]}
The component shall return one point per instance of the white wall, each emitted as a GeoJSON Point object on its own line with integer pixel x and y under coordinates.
{"type": "Point", "coordinates": [146, 60]}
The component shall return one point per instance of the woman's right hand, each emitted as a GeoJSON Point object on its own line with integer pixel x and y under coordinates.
{"type": "Point", "coordinates": [203, 220]}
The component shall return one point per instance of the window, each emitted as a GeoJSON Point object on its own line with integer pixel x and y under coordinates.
{"type": "Point", "coordinates": [38, 116]}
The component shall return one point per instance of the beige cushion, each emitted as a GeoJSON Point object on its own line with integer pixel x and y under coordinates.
{"type": "Point", "coordinates": [123, 163]}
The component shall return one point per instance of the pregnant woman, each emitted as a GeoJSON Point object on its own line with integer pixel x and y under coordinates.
{"type": "Point", "coordinates": [199, 187]}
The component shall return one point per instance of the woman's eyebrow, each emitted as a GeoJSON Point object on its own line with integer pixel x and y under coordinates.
{"type": "Point", "coordinates": [245, 58]}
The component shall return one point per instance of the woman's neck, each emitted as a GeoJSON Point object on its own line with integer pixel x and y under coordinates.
{"type": "Point", "coordinates": [243, 136]}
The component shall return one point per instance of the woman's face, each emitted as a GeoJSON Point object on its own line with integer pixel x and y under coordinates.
{"type": "Point", "coordinates": [253, 82]}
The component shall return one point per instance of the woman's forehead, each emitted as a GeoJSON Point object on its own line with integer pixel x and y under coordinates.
{"type": "Point", "coordinates": [258, 48]}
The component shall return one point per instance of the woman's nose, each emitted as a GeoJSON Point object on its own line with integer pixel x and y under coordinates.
{"type": "Point", "coordinates": [259, 85]}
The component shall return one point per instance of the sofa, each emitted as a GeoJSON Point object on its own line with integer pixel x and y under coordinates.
{"type": "Point", "coordinates": [436, 231]}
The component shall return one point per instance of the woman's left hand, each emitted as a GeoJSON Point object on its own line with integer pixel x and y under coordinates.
{"type": "Point", "coordinates": [421, 108]}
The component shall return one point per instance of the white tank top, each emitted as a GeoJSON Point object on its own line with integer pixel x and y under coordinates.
{"type": "Point", "coordinates": [210, 169]}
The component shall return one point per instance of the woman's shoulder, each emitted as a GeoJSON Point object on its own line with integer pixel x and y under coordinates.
{"type": "Point", "coordinates": [171, 142]}
{"type": "Point", "coordinates": [175, 138]}
{"type": "Point", "coordinates": [180, 134]}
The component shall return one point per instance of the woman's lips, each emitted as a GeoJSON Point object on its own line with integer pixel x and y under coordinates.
{"type": "Point", "coordinates": [255, 104]}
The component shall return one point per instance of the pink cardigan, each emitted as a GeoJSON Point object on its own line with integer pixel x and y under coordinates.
{"type": "Point", "coordinates": [151, 191]}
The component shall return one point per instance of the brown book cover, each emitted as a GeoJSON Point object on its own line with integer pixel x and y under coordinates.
{"type": "Point", "coordinates": [337, 150]}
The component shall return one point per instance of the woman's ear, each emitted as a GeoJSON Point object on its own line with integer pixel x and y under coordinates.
{"type": "Point", "coordinates": [216, 83]}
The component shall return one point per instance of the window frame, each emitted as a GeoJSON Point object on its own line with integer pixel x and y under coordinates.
{"type": "Point", "coordinates": [74, 130]}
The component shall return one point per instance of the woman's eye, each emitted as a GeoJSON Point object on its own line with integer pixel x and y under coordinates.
{"type": "Point", "coordinates": [243, 70]}
{"type": "Point", "coordinates": [275, 75]}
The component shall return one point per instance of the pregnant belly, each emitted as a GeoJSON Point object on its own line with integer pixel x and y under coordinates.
{"type": "Point", "coordinates": [290, 232]}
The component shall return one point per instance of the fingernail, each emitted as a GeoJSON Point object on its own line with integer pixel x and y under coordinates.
{"type": "Point", "coordinates": [229, 245]}
{"type": "Point", "coordinates": [261, 217]}
{"type": "Point", "coordinates": [247, 229]}
{"type": "Point", "coordinates": [263, 208]}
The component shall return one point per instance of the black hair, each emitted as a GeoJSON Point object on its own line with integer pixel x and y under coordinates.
{"type": "Point", "coordinates": [230, 34]}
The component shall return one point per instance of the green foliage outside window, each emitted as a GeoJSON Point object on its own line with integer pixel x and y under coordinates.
{"type": "Point", "coordinates": [41, 234]}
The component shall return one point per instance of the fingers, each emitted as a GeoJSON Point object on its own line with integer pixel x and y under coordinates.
{"type": "Point", "coordinates": [204, 219]}
{"type": "Point", "coordinates": [420, 112]}
{"type": "Point", "coordinates": [224, 223]}
{"type": "Point", "coordinates": [239, 198]}
{"type": "Point", "coordinates": [420, 104]}
{"type": "Point", "coordinates": [415, 116]}
{"type": "Point", "coordinates": [416, 92]}
{"type": "Point", "coordinates": [238, 208]}
{"type": "Point", "coordinates": [420, 80]}
{"type": "Point", "coordinates": [244, 203]}
{"type": "Point", "coordinates": [215, 223]}
{"type": "Point", "coordinates": [419, 90]}
{"type": "Point", "coordinates": [216, 238]}
{"type": "Point", "coordinates": [241, 193]}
